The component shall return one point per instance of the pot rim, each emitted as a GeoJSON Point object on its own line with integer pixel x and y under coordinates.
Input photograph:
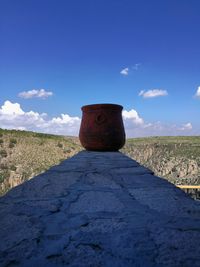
{"type": "Point", "coordinates": [102, 106]}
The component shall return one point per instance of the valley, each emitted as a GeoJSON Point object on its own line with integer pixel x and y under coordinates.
{"type": "Point", "coordinates": [24, 154]}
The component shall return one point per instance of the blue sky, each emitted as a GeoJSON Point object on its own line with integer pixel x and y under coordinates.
{"type": "Point", "coordinates": [57, 55]}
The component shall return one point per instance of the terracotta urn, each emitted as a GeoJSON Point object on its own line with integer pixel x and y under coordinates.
{"type": "Point", "coordinates": [102, 127]}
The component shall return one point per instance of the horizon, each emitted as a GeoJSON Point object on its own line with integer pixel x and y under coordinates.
{"type": "Point", "coordinates": [57, 56]}
{"type": "Point", "coordinates": [76, 136]}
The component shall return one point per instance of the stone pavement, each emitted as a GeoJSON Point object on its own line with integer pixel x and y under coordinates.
{"type": "Point", "coordinates": [99, 209]}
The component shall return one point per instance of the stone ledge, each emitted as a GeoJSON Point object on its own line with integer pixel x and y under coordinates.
{"type": "Point", "coordinates": [99, 209]}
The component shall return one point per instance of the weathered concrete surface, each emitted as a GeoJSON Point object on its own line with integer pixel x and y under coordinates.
{"type": "Point", "coordinates": [99, 209]}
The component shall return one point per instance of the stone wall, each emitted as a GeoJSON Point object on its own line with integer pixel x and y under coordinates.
{"type": "Point", "coordinates": [99, 209]}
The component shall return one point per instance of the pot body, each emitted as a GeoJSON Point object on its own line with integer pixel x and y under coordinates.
{"type": "Point", "coordinates": [102, 127]}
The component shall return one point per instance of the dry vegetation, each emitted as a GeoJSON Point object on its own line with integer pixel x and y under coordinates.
{"type": "Point", "coordinates": [26, 154]}
{"type": "Point", "coordinates": [175, 158]}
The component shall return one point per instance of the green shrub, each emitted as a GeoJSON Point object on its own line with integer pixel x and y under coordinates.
{"type": "Point", "coordinates": [67, 150]}
{"type": "Point", "coordinates": [41, 143]}
{"type": "Point", "coordinates": [3, 175]}
{"type": "Point", "coordinates": [13, 141]}
{"type": "Point", "coordinates": [13, 168]}
{"type": "Point", "coordinates": [25, 175]}
{"type": "Point", "coordinates": [3, 153]}
{"type": "Point", "coordinates": [60, 145]}
{"type": "Point", "coordinates": [11, 145]}
{"type": "Point", "coordinates": [3, 166]}
{"type": "Point", "coordinates": [1, 178]}
{"type": "Point", "coordinates": [43, 135]}
{"type": "Point", "coordinates": [1, 141]}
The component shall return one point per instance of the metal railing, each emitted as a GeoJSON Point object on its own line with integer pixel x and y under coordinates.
{"type": "Point", "coordinates": [192, 190]}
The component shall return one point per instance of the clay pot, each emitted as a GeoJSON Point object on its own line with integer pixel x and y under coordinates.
{"type": "Point", "coordinates": [102, 127]}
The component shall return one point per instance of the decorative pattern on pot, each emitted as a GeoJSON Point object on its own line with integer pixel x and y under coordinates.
{"type": "Point", "coordinates": [102, 127]}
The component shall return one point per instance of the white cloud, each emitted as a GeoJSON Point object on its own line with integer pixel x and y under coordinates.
{"type": "Point", "coordinates": [157, 129]}
{"type": "Point", "coordinates": [35, 94]}
{"type": "Point", "coordinates": [198, 92]}
{"type": "Point", "coordinates": [136, 66]}
{"type": "Point", "coordinates": [11, 109]}
{"type": "Point", "coordinates": [136, 126]}
{"type": "Point", "coordinates": [65, 125]}
{"type": "Point", "coordinates": [132, 116]}
{"type": "Point", "coordinates": [153, 93]}
{"type": "Point", "coordinates": [187, 126]}
{"type": "Point", "coordinates": [125, 71]}
{"type": "Point", "coordinates": [13, 117]}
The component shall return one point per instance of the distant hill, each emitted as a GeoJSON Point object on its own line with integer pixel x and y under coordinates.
{"type": "Point", "coordinates": [25, 154]}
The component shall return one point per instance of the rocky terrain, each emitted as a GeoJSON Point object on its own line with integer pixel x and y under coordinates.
{"type": "Point", "coordinates": [26, 154]}
{"type": "Point", "coordinates": [175, 158]}
{"type": "Point", "coordinates": [99, 209]}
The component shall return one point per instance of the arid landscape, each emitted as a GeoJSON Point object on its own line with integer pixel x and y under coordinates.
{"type": "Point", "coordinates": [26, 154]}
{"type": "Point", "coordinates": [23, 155]}
{"type": "Point", "coordinates": [175, 158]}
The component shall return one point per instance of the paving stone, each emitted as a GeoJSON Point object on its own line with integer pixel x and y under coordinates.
{"type": "Point", "coordinates": [99, 209]}
{"type": "Point", "coordinates": [95, 202]}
